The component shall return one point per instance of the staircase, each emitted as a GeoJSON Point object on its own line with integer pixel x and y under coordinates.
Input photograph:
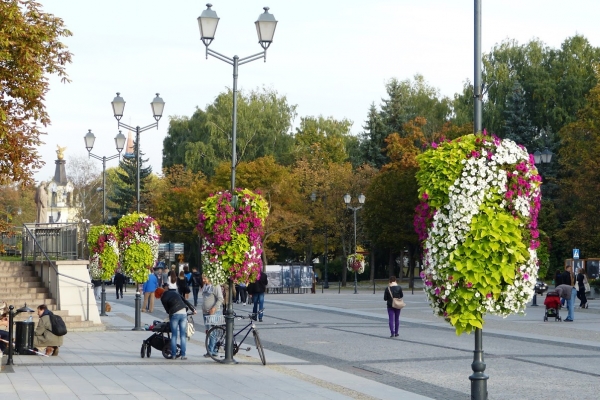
{"type": "Point", "coordinates": [20, 285]}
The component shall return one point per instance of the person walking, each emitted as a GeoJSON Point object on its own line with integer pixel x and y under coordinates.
{"type": "Point", "coordinates": [243, 293]}
{"type": "Point", "coordinates": [149, 288]}
{"type": "Point", "coordinates": [175, 305]}
{"type": "Point", "coordinates": [182, 285]}
{"type": "Point", "coordinates": [97, 288]}
{"type": "Point", "coordinates": [119, 281]}
{"type": "Point", "coordinates": [212, 299]}
{"type": "Point", "coordinates": [393, 291]}
{"type": "Point", "coordinates": [580, 286]}
{"type": "Point", "coordinates": [196, 280]}
{"type": "Point", "coordinates": [257, 290]}
{"type": "Point", "coordinates": [172, 281]}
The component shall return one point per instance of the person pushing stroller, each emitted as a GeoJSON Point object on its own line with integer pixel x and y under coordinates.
{"type": "Point", "coordinates": [175, 305]}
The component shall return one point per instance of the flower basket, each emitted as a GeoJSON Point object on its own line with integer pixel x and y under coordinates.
{"type": "Point", "coordinates": [139, 235]}
{"type": "Point", "coordinates": [104, 251]}
{"type": "Point", "coordinates": [231, 228]}
{"type": "Point", "coordinates": [480, 199]}
{"type": "Point", "coordinates": [356, 263]}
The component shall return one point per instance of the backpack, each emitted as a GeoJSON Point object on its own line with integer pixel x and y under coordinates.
{"type": "Point", "coordinates": [58, 325]}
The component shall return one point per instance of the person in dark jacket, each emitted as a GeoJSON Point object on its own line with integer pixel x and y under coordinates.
{"type": "Point", "coordinates": [393, 291]}
{"type": "Point", "coordinates": [257, 290]}
{"type": "Point", "coordinates": [119, 282]}
{"type": "Point", "coordinates": [196, 280]}
{"type": "Point", "coordinates": [580, 287]}
{"type": "Point", "coordinates": [97, 288]}
{"type": "Point", "coordinates": [175, 305]}
{"type": "Point", "coordinates": [182, 285]}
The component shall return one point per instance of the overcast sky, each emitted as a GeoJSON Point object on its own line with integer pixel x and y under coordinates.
{"type": "Point", "coordinates": [328, 57]}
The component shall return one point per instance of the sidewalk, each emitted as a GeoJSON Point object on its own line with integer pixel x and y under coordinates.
{"type": "Point", "coordinates": [107, 365]}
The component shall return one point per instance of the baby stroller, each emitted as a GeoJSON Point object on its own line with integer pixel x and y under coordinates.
{"type": "Point", "coordinates": [552, 303]}
{"type": "Point", "coordinates": [161, 338]}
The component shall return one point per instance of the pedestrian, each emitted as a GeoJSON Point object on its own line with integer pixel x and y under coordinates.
{"type": "Point", "coordinates": [182, 286]}
{"type": "Point", "coordinates": [149, 288]}
{"type": "Point", "coordinates": [97, 288]}
{"type": "Point", "coordinates": [580, 286]}
{"type": "Point", "coordinates": [237, 293]}
{"type": "Point", "coordinates": [568, 293]}
{"type": "Point", "coordinates": [44, 341]}
{"type": "Point", "coordinates": [393, 291]}
{"type": "Point", "coordinates": [165, 273]}
{"type": "Point", "coordinates": [257, 290]}
{"type": "Point", "coordinates": [172, 281]}
{"type": "Point", "coordinates": [188, 275]}
{"type": "Point", "coordinates": [4, 310]}
{"type": "Point", "coordinates": [119, 282]}
{"type": "Point", "coordinates": [175, 305]}
{"type": "Point", "coordinates": [243, 292]}
{"type": "Point", "coordinates": [196, 280]}
{"type": "Point", "coordinates": [212, 299]}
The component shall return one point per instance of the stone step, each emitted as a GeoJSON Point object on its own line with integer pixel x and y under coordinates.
{"type": "Point", "coordinates": [5, 274]}
{"type": "Point", "coordinates": [21, 290]}
{"type": "Point", "coordinates": [21, 278]}
{"type": "Point", "coordinates": [22, 286]}
{"type": "Point", "coordinates": [31, 302]}
{"type": "Point", "coordinates": [16, 268]}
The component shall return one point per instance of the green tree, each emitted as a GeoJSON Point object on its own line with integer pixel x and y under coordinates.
{"type": "Point", "coordinates": [328, 134]}
{"type": "Point", "coordinates": [517, 125]}
{"type": "Point", "coordinates": [30, 50]}
{"type": "Point", "coordinates": [123, 198]}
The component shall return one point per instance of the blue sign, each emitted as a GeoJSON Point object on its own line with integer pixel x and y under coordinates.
{"type": "Point", "coordinates": [575, 254]}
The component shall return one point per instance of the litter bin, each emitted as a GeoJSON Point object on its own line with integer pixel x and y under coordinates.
{"type": "Point", "coordinates": [24, 337]}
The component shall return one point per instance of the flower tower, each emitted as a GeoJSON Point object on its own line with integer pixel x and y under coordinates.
{"type": "Point", "coordinates": [480, 199]}
{"type": "Point", "coordinates": [139, 235]}
{"type": "Point", "coordinates": [104, 251]}
{"type": "Point", "coordinates": [232, 228]}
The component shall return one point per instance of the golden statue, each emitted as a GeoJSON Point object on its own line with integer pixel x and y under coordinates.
{"type": "Point", "coordinates": [60, 153]}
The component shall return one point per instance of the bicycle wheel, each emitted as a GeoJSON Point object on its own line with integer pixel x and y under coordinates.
{"type": "Point", "coordinates": [259, 347]}
{"type": "Point", "coordinates": [216, 334]}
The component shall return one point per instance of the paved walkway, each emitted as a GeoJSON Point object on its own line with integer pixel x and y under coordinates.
{"type": "Point", "coordinates": [107, 365]}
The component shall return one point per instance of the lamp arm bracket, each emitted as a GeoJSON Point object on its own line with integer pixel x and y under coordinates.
{"type": "Point", "coordinates": [124, 125]}
{"type": "Point", "coordinates": [219, 56]}
{"type": "Point", "coordinates": [145, 128]}
{"type": "Point", "coordinates": [92, 155]}
{"type": "Point", "coordinates": [253, 57]}
{"type": "Point", "coordinates": [113, 157]}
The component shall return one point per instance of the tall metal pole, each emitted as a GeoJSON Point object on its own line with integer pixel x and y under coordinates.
{"type": "Point", "coordinates": [104, 190]}
{"type": "Point", "coordinates": [229, 319]}
{"type": "Point", "coordinates": [355, 272]}
{"type": "Point", "coordinates": [478, 378]}
{"type": "Point", "coordinates": [326, 283]}
{"type": "Point", "coordinates": [477, 80]}
{"type": "Point", "coordinates": [137, 166]}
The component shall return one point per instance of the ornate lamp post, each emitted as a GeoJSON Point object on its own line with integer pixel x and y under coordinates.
{"type": "Point", "coordinates": [361, 200]}
{"type": "Point", "coordinates": [118, 105]}
{"type": "Point", "coordinates": [89, 139]}
{"type": "Point", "coordinates": [265, 28]}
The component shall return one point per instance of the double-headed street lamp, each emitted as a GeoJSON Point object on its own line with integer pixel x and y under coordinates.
{"type": "Point", "coordinates": [543, 157]}
{"type": "Point", "coordinates": [361, 200]}
{"type": "Point", "coordinates": [265, 28]}
{"type": "Point", "coordinates": [89, 139]}
{"type": "Point", "coordinates": [118, 105]}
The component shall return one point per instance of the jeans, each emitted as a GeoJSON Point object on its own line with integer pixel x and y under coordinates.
{"type": "Point", "coordinates": [259, 302]}
{"type": "Point", "coordinates": [178, 326]}
{"type": "Point", "coordinates": [394, 320]}
{"type": "Point", "coordinates": [570, 304]}
{"type": "Point", "coordinates": [211, 339]}
{"type": "Point", "coordinates": [195, 291]}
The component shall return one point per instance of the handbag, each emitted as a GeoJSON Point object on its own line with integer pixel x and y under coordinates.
{"type": "Point", "coordinates": [396, 303]}
{"type": "Point", "coordinates": [190, 330]}
{"type": "Point", "coordinates": [586, 284]}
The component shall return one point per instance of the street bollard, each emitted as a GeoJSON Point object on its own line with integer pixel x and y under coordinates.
{"type": "Point", "coordinates": [11, 317]}
{"type": "Point", "coordinates": [339, 286]}
{"type": "Point", "coordinates": [138, 312]}
{"type": "Point", "coordinates": [373, 286]}
{"type": "Point", "coordinates": [322, 286]}
{"type": "Point", "coordinates": [534, 304]}
{"type": "Point", "coordinates": [103, 301]}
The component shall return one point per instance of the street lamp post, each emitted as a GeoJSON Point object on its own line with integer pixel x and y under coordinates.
{"type": "Point", "coordinates": [313, 198]}
{"type": "Point", "coordinates": [8, 212]}
{"type": "Point", "coordinates": [118, 105]}
{"type": "Point", "coordinates": [361, 200]}
{"type": "Point", "coordinates": [265, 28]}
{"type": "Point", "coordinates": [89, 139]}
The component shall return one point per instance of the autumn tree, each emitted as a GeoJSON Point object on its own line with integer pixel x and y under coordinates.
{"type": "Point", "coordinates": [30, 51]}
{"type": "Point", "coordinates": [328, 134]}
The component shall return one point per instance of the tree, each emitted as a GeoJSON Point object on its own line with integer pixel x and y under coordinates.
{"type": "Point", "coordinates": [328, 133]}
{"type": "Point", "coordinates": [30, 50]}
{"type": "Point", "coordinates": [87, 180]}
{"type": "Point", "coordinates": [123, 200]}
{"type": "Point", "coordinates": [517, 125]}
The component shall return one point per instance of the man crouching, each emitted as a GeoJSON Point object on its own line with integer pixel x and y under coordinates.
{"type": "Point", "coordinates": [43, 336]}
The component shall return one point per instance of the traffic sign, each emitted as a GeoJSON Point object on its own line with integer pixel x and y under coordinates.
{"type": "Point", "coordinates": [575, 254]}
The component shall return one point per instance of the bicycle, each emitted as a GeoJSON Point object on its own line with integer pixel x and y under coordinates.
{"type": "Point", "coordinates": [217, 332]}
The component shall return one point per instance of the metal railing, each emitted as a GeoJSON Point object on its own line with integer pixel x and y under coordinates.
{"type": "Point", "coordinates": [58, 240]}
{"type": "Point", "coordinates": [52, 274]}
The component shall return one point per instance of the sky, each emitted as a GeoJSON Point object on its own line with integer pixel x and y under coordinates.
{"type": "Point", "coordinates": [330, 58]}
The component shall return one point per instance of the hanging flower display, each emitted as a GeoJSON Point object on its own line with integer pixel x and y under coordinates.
{"type": "Point", "coordinates": [480, 199]}
{"type": "Point", "coordinates": [139, 235]}
{"type": "Point", "coordinates": [232, 233]}
{"type": "Point", "coordinates": [356, 263]}
{"type": "Point", "coordinates": [104, 251]}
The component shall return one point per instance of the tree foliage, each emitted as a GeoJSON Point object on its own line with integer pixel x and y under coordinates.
{"type": "Point", "coordinates": [30, 51]}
